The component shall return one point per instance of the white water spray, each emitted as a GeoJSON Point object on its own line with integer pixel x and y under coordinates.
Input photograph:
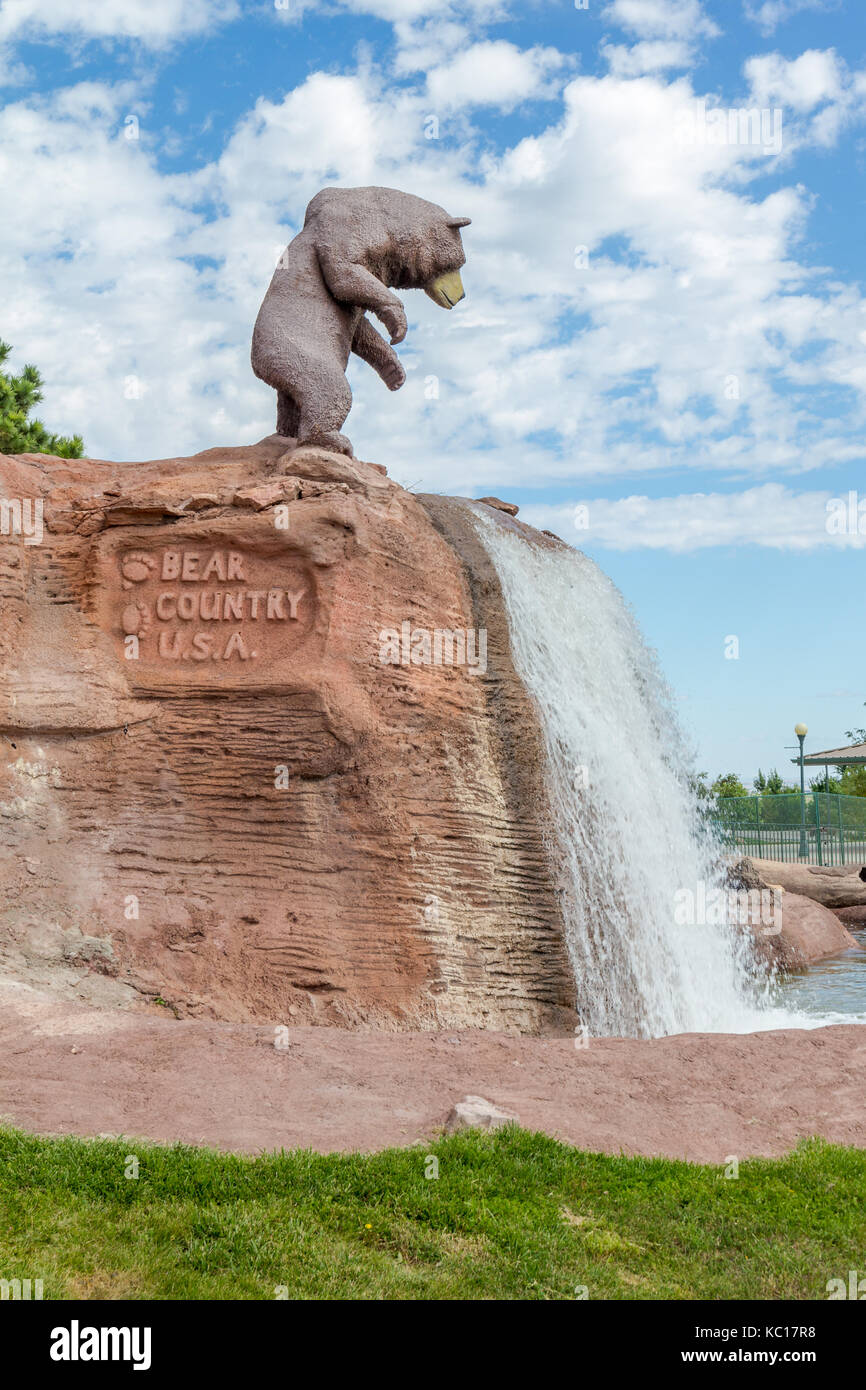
{"type": "Point", "coordinates": [627, 833]}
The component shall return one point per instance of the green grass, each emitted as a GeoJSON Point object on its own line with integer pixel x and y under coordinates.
{"type": "Point", "coordinates": [511, 1215]}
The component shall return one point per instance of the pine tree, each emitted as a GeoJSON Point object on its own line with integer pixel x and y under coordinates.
{"type": "Point", "coordinates": [18, 434]}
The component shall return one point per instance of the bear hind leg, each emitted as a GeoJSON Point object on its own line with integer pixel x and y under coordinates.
{"type": "Point", "coordinates": [288, 415]}
{"type": "Point", "coordinates": [324, 405]}
{"type": "Point", "coordinates": [332, 439]}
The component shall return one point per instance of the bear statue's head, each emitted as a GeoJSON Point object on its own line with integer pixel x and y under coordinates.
{"type": "Point", "coordinates": [407, 242]}
{"type": "Point", "coordinates": [424, 247]}
{"type": "Point", "coordinates": [446, 289]}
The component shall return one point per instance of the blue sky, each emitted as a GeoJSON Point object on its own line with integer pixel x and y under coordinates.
{"type": "Point", "coordinates": [665, 317]}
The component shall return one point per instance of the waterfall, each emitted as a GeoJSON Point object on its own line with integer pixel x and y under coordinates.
{"type": "Point", "coordinates": [626, 832]}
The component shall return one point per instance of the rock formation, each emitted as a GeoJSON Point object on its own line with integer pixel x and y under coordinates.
{"type": "Point", "coordinates": [228, 787]}
{"type": "Point", "coordinates": [832, 885]}
{"type": "Point", "coordinates": [807, 933]}
{"type": "Point", "coordinates": [266, 756]}
{"type": "Point", "coordinates": [805, 930]}
{"type": "Point", "coordinates": [474, 1112]}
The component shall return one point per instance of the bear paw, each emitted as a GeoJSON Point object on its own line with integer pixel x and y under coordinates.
{"type": "Point", "coordinates": [136, 619]}
{"type": "Point", "coordinates": [136, 567]}
{"type": "Point", "coordinates": [331, 439]}
{"type": "Point", "coordinates": [393, 316]}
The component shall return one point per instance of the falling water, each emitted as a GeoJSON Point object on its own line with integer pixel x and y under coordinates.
{"type": "Point", "coordinates": [627, 837]}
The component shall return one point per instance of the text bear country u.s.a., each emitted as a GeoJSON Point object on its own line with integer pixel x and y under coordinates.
{"type": "Point", "coordinates": [195, 599]}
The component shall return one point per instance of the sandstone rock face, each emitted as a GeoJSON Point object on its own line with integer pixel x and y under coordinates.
{"type": "Point", "coordinates": [226, 785]}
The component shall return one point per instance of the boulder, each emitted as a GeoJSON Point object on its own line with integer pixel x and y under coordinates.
{"type": "Point", "coordinates": [474, 1112]}
{"type": "Point", "coordinates": [223, 765]}
{"type": "Point", "coordinates": [498, 505]}
{"type": "Point", "coordinates": [803, 932]}
{"type": "Point", "coordinates": [853, 917]}
{"type": "Point", "coordinates": [832, 886]}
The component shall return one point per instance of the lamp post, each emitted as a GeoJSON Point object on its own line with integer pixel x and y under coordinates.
{"type": "Point", "coordinates": [801, 731]}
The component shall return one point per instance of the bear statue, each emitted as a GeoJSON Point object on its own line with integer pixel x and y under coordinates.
{"type": "Point", "coordinates": [356, 246]}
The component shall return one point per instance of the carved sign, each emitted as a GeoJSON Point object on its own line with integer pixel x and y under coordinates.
{"type": "Point", "coordinates": [187, 603]}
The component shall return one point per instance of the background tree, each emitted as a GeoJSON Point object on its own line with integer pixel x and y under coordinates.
{"type": "Point", "coordinates": [728, 784]}
{"type": "Point", "coordinates": [847, 781]}
{"type": "Point", "coordinates": [850, 781]}
{"type": "Point", "coordinates": [700, 786]}
{"type": "Point", "coordinates": [856, 735]}
{"type": "Point", "coordinates": [18, 433]}
{"type": "Point", "coordinates": [772, 783]}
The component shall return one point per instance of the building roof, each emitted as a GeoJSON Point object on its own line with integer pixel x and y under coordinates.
{"type": "Point", "coordinates": [853, 755]}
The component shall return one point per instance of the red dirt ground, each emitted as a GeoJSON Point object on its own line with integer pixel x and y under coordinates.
{"type": "Point", "coordinates": [69, 1069]}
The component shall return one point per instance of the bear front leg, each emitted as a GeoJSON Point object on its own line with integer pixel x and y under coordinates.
{"type": "Point", "coordinates": [351, 283]}
{"type": "Point", "coordinates": [371, 347]}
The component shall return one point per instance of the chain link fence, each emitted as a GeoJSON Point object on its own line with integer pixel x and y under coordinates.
{"type": "Point", "coordinates": [773, 827]}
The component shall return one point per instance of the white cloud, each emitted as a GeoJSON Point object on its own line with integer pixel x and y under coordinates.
{"type": "Point", "coordinates": [631, 306]}
{"type": "Point", "coordinates": [662, 19]}
{"type": "Point", "coordinates": [12, 73]}
{"type": "Point", "coordinates": [817, 92]}
{"type": "Point", "coordinates": [771, 516]}
{"type": "Point", "coordinates": [151, 21]}
{"type": "Point", "coordinates": [494, 73]}
{"type": "Point", "coordinates": [667, 32]}
{"type": "Point", "coordinates": [156, 22]}
{"type": "Point", "coordinates": [408, 11]}
{"type": "Point", "coordinates": [803, 83]}
{"type": "Point", "coordinates": [769, 14]}
{"type": "Point", "coordinates": [651, 55]}
{"type": "Point", "coordinates": [405, 15]}
{"type": "Point", "coordinates": [108, 293]}
{"type": "Point", "coordinates": [422, 47]}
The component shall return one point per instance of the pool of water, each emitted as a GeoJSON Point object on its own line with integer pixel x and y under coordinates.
{"type": "Point", "coordinates": [830, 987]}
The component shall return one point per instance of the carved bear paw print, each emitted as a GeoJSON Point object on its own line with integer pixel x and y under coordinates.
{"type": "Point", "coordinates": [135, 619]}
{"type": "Point", "coordinates": [136, 567]}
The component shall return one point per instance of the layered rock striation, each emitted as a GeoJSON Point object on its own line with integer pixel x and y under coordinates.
{"type": "Point", "coordinates": [249, 771]}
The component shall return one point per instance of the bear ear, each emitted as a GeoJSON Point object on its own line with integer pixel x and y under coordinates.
{"type": "Point", "coordinates": [459, 221]}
